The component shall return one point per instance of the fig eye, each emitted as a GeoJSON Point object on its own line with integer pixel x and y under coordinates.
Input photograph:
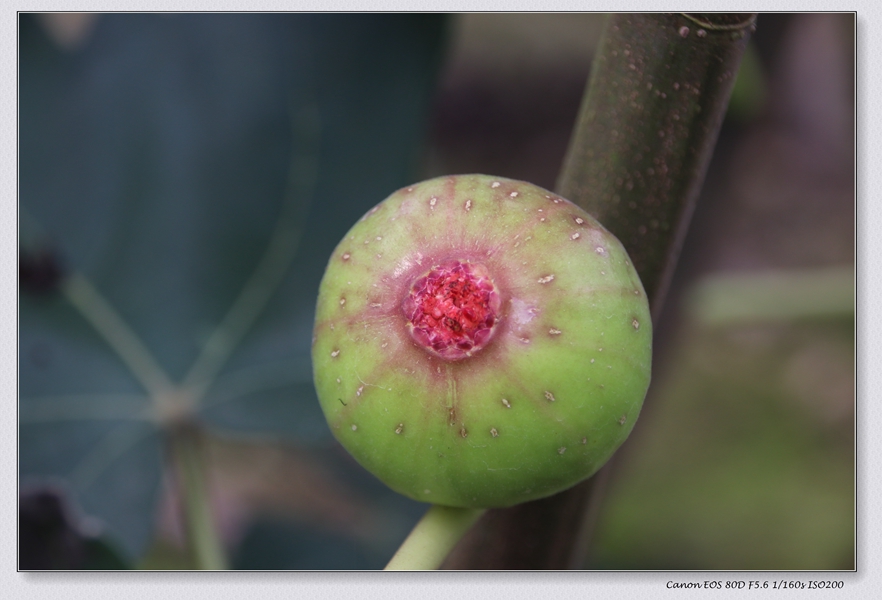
{"type": "Point", "coordinates": [452, 310]}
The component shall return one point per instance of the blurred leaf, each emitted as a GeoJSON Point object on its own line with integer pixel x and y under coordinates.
{"type": "Point", "coordinates": [272, 545]}
{"type": "Point", "coordinates": [194, 173]}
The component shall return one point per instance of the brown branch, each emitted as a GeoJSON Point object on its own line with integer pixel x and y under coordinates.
{"type": "Point", "coordinates": [658, 91]}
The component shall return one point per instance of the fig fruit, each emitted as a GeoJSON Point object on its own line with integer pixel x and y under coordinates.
{"type": "Point", "coordinates": [480, 342]}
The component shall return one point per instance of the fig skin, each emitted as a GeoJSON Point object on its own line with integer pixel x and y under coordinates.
{"type": "Point", "coordinates": [547, 399]}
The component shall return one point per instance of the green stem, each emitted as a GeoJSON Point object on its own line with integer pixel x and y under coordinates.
{"type": "Point", "coordinates": [202, 537]}
{"type": "Point", "coordinates": [433, 538]}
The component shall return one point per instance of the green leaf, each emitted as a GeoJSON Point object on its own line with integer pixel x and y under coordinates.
{"type": "Point", "coordinates": [191, 175]}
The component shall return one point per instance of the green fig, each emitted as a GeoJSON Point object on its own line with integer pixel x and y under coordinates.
{"type": "Point", "coordinates": [480, 342]}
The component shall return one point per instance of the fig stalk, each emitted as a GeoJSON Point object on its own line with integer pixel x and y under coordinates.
{"type": "Point", "coordinates": [433, 538]}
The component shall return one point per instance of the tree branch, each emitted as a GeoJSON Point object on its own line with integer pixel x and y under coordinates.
{"type": "Point", "coordinates": [658, 91]}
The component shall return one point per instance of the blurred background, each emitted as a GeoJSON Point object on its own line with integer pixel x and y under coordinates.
{"type": "Point", "coordinates": [164, 157]}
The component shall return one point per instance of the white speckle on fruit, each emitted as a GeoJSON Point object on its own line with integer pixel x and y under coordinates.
{"type": "Point", "coordinates": [366, 242]}
{"type": "Point", "coordinates": [592, 361]}
{"type": "Point", "coordinates": [603, 272]}
{"type": "Point", "coordinates": [376, 305]}
{"type": "Point", "coordinates": [354, 427]}
{"type": "Point", "coordinates": [432, 202]}
{"type": "Point", "coordinates": [546, 279]}
{"type": "Point", "coordinates": [513, 195]}
{"type": "Point", "coordinates": [622, 419]}
{"type": "Point", "coordinates": [399, 429]}
{"type": "Point", "coordinates": [542, 220]}
{"type": "Point", "coordinates": [463, 432]}
{"type": "Point", "coordinates": [495, 184]}
{"type": "Point", "coordinates": [561, 450]}
{"type": "Point", "coordinates": [338, 380]}
{"type": "Point", "coordinates": [468, 205]}
{"type": "Point", "coordinates": [524, 340]}
{"type": "Point", "coordinates": [493, 432]}
{"type": "Point", "coordinates": [554, 331]}
{"type": "Point", "coordinates": [549, 396]}
{"type": "Point", "coordinates": [346, 256]}
{"type": "Point", "coordinates": [384, 344]}
{"type": "Point", "coordinates": [600, 250]}
{"type": "Point", "coordinates": [556, 200]}
{"type": "Point", "coordinates": [379, 256]}
{"type": "Point", "coordinates": [335, 353]}
{"type": "Point", "coordinates": [636, 324]}
{"type": "Point", "coordinates": [575, 236]}
{"type": "Point", "coordinates": [600, 349]}
{"type": "Point", "coordinates": [579, 220]}
{"type": "Point", "coordinates": [584, 441]}
{"type": "Point", "coordinates": [342, 301]}
{"type": "Point", "coordinates": [506, 403]}
{"type": "Point", "coordinates": [359, 390]}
